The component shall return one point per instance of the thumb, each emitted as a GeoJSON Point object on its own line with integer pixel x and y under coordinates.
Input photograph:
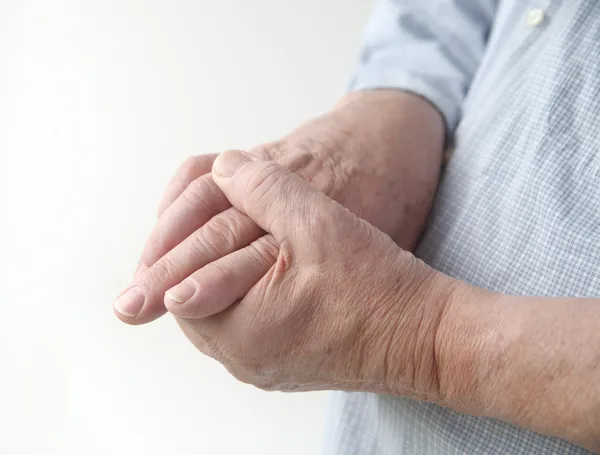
{"type": "Point", "coordinates": [278, 200]}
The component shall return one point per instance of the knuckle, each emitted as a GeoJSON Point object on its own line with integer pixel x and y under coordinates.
{"type": "Point", "coordinates": [221, 234]}
{"type": "Point", "coordinates": [269, 187]}
{"type": "Point", "coordinates": [198, 192]}
{"type": "Point", "coordinates": [261, 184]}
{"type": "Point", "coordinates": [199, 244]}
{"type": "Point", "coordinates": [161, 272]}
{"type": "Point", "coordinates": [190, 197]}
{"type": "Point", "coordinates": [265, 250]}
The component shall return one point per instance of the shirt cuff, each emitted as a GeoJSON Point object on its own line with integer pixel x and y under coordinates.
{"type": "Point", "coordinates": [438, 93]}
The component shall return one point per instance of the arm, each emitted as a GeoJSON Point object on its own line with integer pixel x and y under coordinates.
{"type": "Point", "coordinates": [531, 361]}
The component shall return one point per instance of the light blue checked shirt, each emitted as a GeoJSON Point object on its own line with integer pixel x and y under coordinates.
{"type": "Point", "coordinates": [518, 207]}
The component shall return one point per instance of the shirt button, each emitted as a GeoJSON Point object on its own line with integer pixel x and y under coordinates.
{"type": "Point", "coordinates": [535, 17]}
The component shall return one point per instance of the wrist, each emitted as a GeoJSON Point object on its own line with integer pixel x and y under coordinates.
{"type": "Point", "coordinates": [438, 348]}
{"type": "Point", "coordinates": [406, 328]}
{"type": "Point", "coordinates": [463, 353]}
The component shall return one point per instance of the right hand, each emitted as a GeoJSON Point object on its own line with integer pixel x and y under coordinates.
{"type": "Point", "coordinates": [343, 307]}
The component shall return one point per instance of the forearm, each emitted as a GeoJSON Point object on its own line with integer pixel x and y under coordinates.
{"type": "Point", "coordinates": [534, 362]}
{"type": "Point", "coordinates": [407, 134]}
{"type": "Point", "coordinates": [379, 154]}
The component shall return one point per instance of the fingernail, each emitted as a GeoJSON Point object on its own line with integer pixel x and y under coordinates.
{"type": "Point", "coordinates": [228, 163]}
{"type": "Point", "coordinates": [182, 292]}
{"type": "Point", "coordinates": [131, 302]}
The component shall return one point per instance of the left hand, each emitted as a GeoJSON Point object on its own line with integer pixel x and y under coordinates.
{"type": "Point", "coordinates": [342, 308]}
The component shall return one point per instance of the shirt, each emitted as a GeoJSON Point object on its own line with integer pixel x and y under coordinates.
{"type": "Point", "coordinates": [518, 206]}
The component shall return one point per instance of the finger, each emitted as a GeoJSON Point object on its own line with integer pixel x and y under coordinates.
{"type": "Point", "coordinates": [223, 234]}
{"type": "Point", "coordinates": [199, 202]}
{"type": "Point", "coordinates": [195, 205]}
{"type": "Point", "coordinates": [276, 199]}
{"type": "Point", "coordinates": [223, 282]}
{"type": "Point", "coordinates": [192, 168]}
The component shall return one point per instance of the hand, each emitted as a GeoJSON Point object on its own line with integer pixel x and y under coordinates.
{"type": "Point", "coordinates": [377, 154]}
{"type": "Point", "coordinates": [343, 307]}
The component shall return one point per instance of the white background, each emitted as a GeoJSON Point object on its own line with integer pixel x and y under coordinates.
{"type": "Point", "coordinates": [99, 103]}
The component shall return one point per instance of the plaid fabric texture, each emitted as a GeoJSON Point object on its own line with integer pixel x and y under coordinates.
{"type": "Point", "coordinates": [518, 211]}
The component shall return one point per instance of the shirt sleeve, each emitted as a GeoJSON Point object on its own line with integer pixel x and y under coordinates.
{"type": "Point", "coordinates": [429, 47]}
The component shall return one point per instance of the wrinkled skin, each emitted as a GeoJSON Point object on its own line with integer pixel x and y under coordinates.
{"type": "Point", "coordinates": [342, 307]}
